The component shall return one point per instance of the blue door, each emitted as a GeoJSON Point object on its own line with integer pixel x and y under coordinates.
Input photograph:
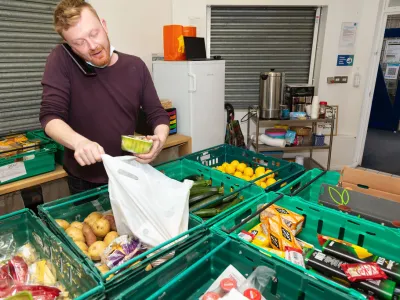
{"type": "Point", "coordinates": [385, 111]}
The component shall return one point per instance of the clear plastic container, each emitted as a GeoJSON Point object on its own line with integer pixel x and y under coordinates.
{"type": "Point", "coordinates": [322, 109]}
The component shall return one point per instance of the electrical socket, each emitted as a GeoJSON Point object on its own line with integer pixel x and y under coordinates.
{"type": "Point", "coordinates": [330, 80]}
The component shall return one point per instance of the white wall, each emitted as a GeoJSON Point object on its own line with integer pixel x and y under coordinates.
{"type": "Point", "coordinates": [348, 98]}
{"type": "Point", "coordinates": [136, 27]}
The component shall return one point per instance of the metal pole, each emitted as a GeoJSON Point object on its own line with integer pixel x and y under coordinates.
{"type": "Point", "coordinates": [257, 129]}
{"type": "Point", "coordinates": [330, 143]}
{"type": "Point", "coordinates": [248, 128]}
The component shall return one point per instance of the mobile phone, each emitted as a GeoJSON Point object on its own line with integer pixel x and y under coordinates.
{"type": "Point", "coordinates": [86, 69]}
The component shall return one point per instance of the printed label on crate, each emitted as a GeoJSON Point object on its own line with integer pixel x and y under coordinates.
{"type": "Point", "coordinates": [11, 171]}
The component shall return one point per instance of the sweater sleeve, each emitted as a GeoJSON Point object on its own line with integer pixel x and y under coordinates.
{"type": "Point", "coordinates": [150, 102]}
{"type": "Point", "coordinates": [56, 89]}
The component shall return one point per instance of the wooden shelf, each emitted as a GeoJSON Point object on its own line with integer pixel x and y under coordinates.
{"type": "Point", "coordinates": [184, 143]}
{"type": "Point", "coordinates": [58, 173]}
{"type": "Point", "coordinates": [262, 148]}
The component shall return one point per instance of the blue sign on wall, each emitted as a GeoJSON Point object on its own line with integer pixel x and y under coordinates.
{"type": "Point", "coordinates": [345, 60]}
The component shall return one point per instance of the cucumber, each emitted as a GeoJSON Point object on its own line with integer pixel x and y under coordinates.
{"type": "Point", "coordinates": [207, 212]}
{"type": "Point", "coordinates": [212, 201]}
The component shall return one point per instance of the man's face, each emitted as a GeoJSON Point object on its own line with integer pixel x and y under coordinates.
{"type": "Point", "coordinates": [89, 39]}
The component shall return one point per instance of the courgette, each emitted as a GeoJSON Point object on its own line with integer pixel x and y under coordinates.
{"type": "Point", "coordinates": [194, 177]}
{"type": "Point", "coordinates": [233, 203]}
{"type": "Point", "coordinates": [201, 183]}
{"type": "Point", "coordinates": [224, 200]}
{"type": "Point", "coordinates": [212, 201]}
{"type": "Point", "coordinates": [198, 198]}
{"type": "Point", "coordinates": [198, 190]}
{"type": "Point", "coordinates": [207, 212]}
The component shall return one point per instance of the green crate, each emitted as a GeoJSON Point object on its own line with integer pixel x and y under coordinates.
{"type": "Point", "coordinates": [284, 170]}
{"type": "Point", "coordinates": [78, 207]}
{"type": "Point", "coordinates": [217, 155]}
{"type": "Point", "coordinates": [59, 156]}
{"type": "Point", "coordinates": [191, 273]}
{"type": "Point", "coordinates": [378, 239]}
{"type": "Point", "coordinates": [36, 162]}
{"type": "Point", "coordinates": [311, 193]}
{"type": "Point", "coordinates": [78, 280]}
{"type": "Point", "coordinates": [179, 169]}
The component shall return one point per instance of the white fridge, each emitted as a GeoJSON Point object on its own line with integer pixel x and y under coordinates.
{"type": "Point", "coordinates": [197, 91]}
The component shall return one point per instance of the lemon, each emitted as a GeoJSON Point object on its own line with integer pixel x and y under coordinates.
{"type": "Point", "coordinates": [270, 181]}
{"type": "Point", "coordinates": [247, 178]}
{"type": "Point", "coordinates": [271, 175]}
{"type": "Point", "coordinates": [262, 178]}
{"type": "Point", "coordinates": [258, 182]}
{"type": "Point", "coordinates": [230, 169]}
{"type": "Point", "coordinates": [253, 177]}
{"type": "Point", "coordinates": [240, 167]}
{"type": "Point", "coordinates": [260, 171]}
{"type": "Point", "coordinates": [263, 185]}
{"type": "Point", "coordinates": [248, 171]}
{"type": "Point", "coordinates": [238, 174]}
{"type": "Point", "coordinates": [224, 165]}
{"type": "Point", "coordinates": [235, 163]}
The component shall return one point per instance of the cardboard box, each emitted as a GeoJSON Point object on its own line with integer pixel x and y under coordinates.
{"type": "Point", "coordinates": [374, 184]}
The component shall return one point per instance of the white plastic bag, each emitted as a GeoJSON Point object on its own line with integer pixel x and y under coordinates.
{"type": "Point", "coordinates": [145, 202]}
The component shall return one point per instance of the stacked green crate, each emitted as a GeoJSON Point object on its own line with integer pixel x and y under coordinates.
{"type": "Point", "coordinates": [378, 239]}
{"type": "Point", "coordinates": [311, 192]}
{"type": "Point", "coordinates": [192, 272]}
{"type": "Point", "coordinates": [78, 207]}
{"type": "Point", "coordinates": [181, 169]}
{"type": "Point", "coordinates": [27, 162]}
{"type": "Point", "coordinates": [59, 156]}
{"type": "Point", "coordinates": [284, 171]}
{"type": "Point", "coordinates": [79, 281]}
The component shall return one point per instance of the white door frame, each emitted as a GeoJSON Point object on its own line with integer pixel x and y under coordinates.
{"type": "Point", "coordinates": [371, 80]}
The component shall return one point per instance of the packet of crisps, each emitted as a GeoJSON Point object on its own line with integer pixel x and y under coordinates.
{"type": "Point", "coordinates": [292, 220]}
{"type": "Point", "coordinates": [280, 234]}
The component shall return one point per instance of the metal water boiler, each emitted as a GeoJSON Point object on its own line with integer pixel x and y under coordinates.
{"type": "Point", "coordinates": [271, 94]}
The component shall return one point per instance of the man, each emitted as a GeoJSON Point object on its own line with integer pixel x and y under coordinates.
{"type": "Point", "coordinates": [88, 114]}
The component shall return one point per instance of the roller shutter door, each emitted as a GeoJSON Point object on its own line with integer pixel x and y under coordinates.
{"type": "Point", "coordinates": [257, 39]}
{"type": "Point", "coordinates": [26, 39]}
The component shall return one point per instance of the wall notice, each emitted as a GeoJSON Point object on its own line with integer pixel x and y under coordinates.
{"type": "Point", "coordinates": [345, 60]}
{"type": "Point", "coordinates": [348, 35]}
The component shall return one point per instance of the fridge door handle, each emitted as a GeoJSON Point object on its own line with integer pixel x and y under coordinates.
{"type": "Point", "coordinates": [192, 90]}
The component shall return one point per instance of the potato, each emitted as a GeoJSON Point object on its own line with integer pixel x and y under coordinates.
{"type": "Point", "coordinates": [77, 224]}
{"type": "Point", "coordinates": [82, 246]}
{"type": "Point", "coordinates": [112, 235]}
{"type": "Point", "coordinates": [75, 234]}
{"type": "Point", "coordinates": [62, 223]}
{"type": "Point", "coordinates": [103, 269]}
{"type": "Point", "coordinates": [96, 250]}
{"type": "Point", "coordinates": [101, 227]}
{"type": "Point", "coordinates": [93, 217]}
{"type": "Point", "coordinates": [110, 219]}
{"type": "Point", "coordinates": [88, 233]}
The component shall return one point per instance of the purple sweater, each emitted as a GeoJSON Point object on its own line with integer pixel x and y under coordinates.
{"type": "Point", "coordinates": [101, 108]}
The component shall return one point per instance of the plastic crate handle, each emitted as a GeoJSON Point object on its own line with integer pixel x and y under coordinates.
{"type": "Point", "coordinates": [307, 184]}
